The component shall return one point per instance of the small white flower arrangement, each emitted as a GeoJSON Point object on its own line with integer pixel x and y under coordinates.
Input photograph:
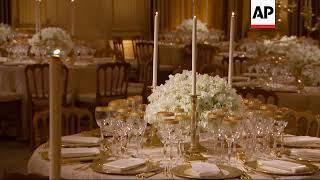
{"type": "Point", "coordinates": [187, 25]}
{"type": "Point", "coordinates": [214, 93]}
{"type": "Point", "coordinates": [5, 33]}
{"type": "Point", "coordinates": [184, 30]}
{"type": "Point", "coordinates": [49, 39]}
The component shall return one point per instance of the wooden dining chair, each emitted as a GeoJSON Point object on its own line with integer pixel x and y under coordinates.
{"type": "Point", "coordinates": [239, 65]}
{"type": "Point", "coordinates": [118, 48]}
{"type": "Point", "coordinates": [205, 57]}
{"type": "Point", "coordinates": [112, 82]}
{"type": "Point", "coordinates": [37, 81]}
{"type": "Point", "coordinates": [37, 85]}
{"type": "Point", "coordinates": [144, 55]}
{"type": "Point", "coordinates": [308, 124]}
{"type": "Point", "coordinates": [206, 54]}
{"type": "Point", "coordinates": [71, 118]}
{"type": "Point", "coordinates": [144, 61]}
{"type": "Point", "coordinates": [135, 40]}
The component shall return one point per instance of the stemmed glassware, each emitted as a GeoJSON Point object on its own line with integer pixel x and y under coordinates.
{"type": "Point", "coordinates": [231, 133]}
{"type": "Point", "coordinates": [138, 126]}
{"type": "Point", "coordinates": [279, 127]}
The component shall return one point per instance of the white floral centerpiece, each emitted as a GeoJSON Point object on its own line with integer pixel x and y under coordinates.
{"type": "Point", "coordinates": [5, 32]}
{"type": "Point", "coordinates": [278, 46]}
{"type": "Point", "coordinates": [301, 59]}
{"type": "Point", "coordinates": [187, 25]}
{"type": "Point", "coordinates": [214, 93]}
{"type": "Point", "coordinates": [298, 55]}
{"type": "Point", "coordinates": [184, 30]}
{"type": "Point", "coordinates": [50, 38]}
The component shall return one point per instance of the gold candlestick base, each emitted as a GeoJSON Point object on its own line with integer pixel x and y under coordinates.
{"type": "Point", "coordinates": [194, 152]}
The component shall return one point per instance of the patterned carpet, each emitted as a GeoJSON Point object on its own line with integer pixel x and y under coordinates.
{"type": "Point", "coordinates": [14, 156]}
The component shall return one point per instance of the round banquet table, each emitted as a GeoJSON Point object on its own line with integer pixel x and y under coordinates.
{"type": "Point", "coordinates": [37, 165]}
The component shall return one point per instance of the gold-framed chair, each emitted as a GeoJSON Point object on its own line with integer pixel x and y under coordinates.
{"type": "Point", "coordinates": [205, 58]}
{"type": "Point", "coordinates": [72, 119]}
{"type": "Point", "coordinates": [111, 83]}
{"type": "Point", "coordinates": [37, 85]}
{"type": "Point", "coordinates": [144, 58]}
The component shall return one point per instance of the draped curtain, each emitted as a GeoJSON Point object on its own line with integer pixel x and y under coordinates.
{"type": "Point", "coordinates": [5, 11]}
{"type": "Point", "coordinates": [216, 13]}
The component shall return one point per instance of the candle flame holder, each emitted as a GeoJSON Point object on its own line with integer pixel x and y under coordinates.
{"type": "Point", "coordinates": [195, 149]}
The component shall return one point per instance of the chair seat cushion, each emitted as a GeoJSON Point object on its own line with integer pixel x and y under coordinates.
{"type": "Point", "coordinates": [8, 97]}
{"type": "Point", "coordinates": [135, 89]}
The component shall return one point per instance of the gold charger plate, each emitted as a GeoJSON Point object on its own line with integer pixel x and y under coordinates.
{"type": "Point", "coordinates": [254, 166]}
{"type": "Point", "coordinates": [97, 166]}
{"type": "Point", "coordinates": [182, 171]}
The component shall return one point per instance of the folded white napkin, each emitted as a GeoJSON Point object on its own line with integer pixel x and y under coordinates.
{"type": "Point", "coordinates": [298, 140]}
{"type": "Point", "coordinates": [79, 152]}
{"type": "Point", "coordinates": [286, 166]}
{"type": "Point", "coordinates": [124, 164]}
{"type": "Point", "coordinates": [203, 169]}
{"type": "Point", "coordinates": [80, 140]}
{"type": "Point", "coordinates": [308, 153]}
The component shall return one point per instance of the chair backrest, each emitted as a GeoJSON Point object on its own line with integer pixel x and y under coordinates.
{"type": "Point", "coordinates": [205, 55]}
{"type": "Point", "coordinates": [118, 48]}
{"type": "Point", "coordinates": [259, 93]}
{"type": "Point", "coordinates": [112, 81]}
{"type": "Point", "coordinates": [239, 65]}
{"type": "Point", "coordinates": [70, 123]}
{"type": "Point", "coordinates": [37, 81]}
{"type": "Point", "coordinates": [144, 56]}
{"type": "Point", "coordinates": [135, 40]}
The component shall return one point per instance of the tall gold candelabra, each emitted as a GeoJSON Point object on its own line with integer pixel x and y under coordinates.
{"type": "Point", "coordinates": [194, 152]}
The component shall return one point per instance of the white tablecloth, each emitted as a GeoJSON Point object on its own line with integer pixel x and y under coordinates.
{"type": "Point", "coordinates": [37, 165]}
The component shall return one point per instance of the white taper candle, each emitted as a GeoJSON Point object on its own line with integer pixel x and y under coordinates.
{"type": "Point", "coordinates": [72, 17]}
{"type": "Point", "coordinates": [155, 50]}
{"type": "Point", "coordinates": [55, 116]}
{"type": "Point", "coordinates": [230, 69]}
{"type": "Point", "coordinates": [194, 56]}
{"type": "Point", "coordinates": [38, 15]}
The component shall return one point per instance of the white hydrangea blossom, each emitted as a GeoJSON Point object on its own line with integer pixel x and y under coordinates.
{"type": "Point", "coordinates": [5, 32]}
{"type": "Point", "coordinates": [51, 37]}
{"type": "Point", "coordinates": [214, 93]}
